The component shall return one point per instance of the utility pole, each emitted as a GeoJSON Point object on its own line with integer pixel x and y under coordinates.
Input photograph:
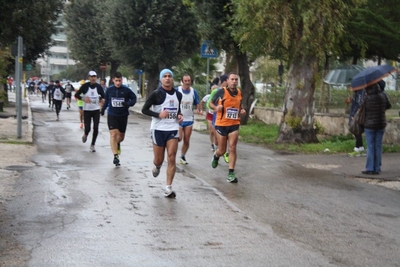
{"type": "Point", "coordinates": [18, 74]}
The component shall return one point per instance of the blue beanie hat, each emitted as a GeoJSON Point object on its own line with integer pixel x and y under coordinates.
{"type": "Point", "coordinates": [165, 71]}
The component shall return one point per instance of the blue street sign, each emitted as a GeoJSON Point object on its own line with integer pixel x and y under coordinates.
{"type": "Point", "coordinates": [208, 50]}
{"type": "Point", "coordinates": [139, 72]}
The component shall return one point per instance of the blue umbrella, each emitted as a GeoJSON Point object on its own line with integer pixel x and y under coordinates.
{"type": "Point", "coordinates": [370, 76]}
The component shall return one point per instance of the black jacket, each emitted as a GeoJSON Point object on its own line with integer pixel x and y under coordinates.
{"type": "Point", "coordinates": [376, 103]}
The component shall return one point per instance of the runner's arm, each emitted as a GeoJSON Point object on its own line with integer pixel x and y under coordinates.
{"type": "Point", "coordinates": [152, 100]}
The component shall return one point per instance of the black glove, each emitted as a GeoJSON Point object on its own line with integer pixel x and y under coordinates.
{"type": "Point", "coordinates": [125, 104]}
{"type": "Point", "coordinates": [102, 112]}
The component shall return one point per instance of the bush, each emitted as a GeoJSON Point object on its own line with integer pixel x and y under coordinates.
{"type": "Point", "coordinates": [4, 97]}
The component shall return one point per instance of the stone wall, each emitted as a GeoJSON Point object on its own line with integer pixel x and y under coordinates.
{"type": "Point", "coordinates": [333, 124]}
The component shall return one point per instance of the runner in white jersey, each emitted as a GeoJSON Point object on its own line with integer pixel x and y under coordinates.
{"type": "Point", "coordinates": [58, 96]}
{"type": "Point", "coordinates": [163, 105]}
{"type": "Point", "coordinates": [91, 93]}
{"type": "Point", "coordinates": [68, 93]}
{"type": "Point", "coordinates": [190, 99]}
{"type": "Point", "coordinates": [209, 118]}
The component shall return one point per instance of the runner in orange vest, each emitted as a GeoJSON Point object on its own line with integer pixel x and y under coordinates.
{"type": "Point", "coordinates": [227, 103]}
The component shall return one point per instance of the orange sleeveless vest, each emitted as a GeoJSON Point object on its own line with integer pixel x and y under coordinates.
{"type": "Point", "coordinates": [230, 114]}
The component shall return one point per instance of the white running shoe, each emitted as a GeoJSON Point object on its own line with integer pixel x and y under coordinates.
{"type": "Point", "coordinates": [169, 193]}
{"type": "Point", "coordinates": [92, 149]}
{"type": "Point", "coordinates": [183, 161]}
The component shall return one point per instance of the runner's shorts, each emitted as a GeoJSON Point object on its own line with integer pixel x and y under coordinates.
{"type": "Point", "coordinates": [119, 123]}
{"type": "Point", "coordinates": [186, 123]}
{"type": "Point", "coordinates": [160, 138]}
{"type": "Point", "coordinates": [226, 130]}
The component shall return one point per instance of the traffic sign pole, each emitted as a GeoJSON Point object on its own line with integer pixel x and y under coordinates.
{"type": "Point", "coordinates": [208, 51]}
{"type": "Point", "coordinates": [103, 68]}
{"type": "Point", "coordinates": [208, 73]}
{"type": "Point", "coordinates": [18, 72]}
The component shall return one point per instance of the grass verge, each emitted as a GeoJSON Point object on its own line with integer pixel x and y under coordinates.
{"type": "Point", "coordinates": [257, 132]}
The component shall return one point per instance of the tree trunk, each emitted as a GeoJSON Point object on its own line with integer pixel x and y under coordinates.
{"type": "Point", "coordinates": [297, 124]}
{"type": "Point", "coordinates": [113, 69]}
{"type": "Point", "coordinates": [247, 86]}
{"type": "Point", "coordinates": [152, 77]}
{"type": "Point", "coordinates": [322, 98]}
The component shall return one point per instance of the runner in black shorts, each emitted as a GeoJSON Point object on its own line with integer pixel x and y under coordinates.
{"type": "Point", "coordinates": [119, 123]}
{"type": "Point", "coordinates": [117, 102]}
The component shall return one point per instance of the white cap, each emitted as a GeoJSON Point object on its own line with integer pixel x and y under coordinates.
{"type": "Point", "coordinates": [92, 73]}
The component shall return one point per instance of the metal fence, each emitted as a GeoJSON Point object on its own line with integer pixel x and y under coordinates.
{"type": "Point", "coordinates": [328, 100]}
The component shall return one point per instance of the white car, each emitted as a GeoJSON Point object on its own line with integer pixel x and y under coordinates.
{"type": "Point", "coordinates": [76, 85]}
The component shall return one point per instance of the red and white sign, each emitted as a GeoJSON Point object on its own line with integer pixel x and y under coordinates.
{"type": "Point", "coordinates": [103, 66]}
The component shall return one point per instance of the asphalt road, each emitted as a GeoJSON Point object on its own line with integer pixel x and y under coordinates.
{"type": "Point", "coordinates": [75, 208]}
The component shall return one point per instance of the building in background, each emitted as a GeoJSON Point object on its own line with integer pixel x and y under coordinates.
{"type": "Point", "coordinates": [58, 59]}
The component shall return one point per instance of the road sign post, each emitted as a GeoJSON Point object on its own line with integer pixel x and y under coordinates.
{"type": "Point", "coordinates": [207, 50]}
{"type": "Point", "coordinates": [103, 67]}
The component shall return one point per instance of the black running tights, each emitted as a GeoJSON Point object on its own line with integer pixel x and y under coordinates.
{"type": "Point", "coordinates": [87, 118]}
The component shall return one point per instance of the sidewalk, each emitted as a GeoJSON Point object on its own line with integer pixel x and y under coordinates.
{"type": "Point", "coordinates": [9, 123]}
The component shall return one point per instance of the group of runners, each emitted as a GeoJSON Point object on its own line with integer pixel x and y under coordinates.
{"type": "Point", "coordinates": [172, 111]}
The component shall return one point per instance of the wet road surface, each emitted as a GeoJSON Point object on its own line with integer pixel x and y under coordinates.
{"type": "Point", "coordinates": [75, 208]}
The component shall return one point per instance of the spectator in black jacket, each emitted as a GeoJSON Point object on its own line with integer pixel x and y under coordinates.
{"type": "Point", "coordinates": [376, 103]}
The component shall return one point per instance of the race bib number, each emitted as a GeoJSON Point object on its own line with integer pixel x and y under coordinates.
{"type": "Point", "coordinates": [94, 100]}
{"type": "Point", "coordinates": [172, 113]}
{"type": "Point", "coordinates": [187, 105]}
{"type": "Point", "coordinates": [116, 102]}
{"type": "Point", "coordinates": [57, 93]}
{"type": "Point", "coordinates": [232, 113]}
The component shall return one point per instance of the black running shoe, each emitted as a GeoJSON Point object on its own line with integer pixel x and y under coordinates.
{"type": "Point", "coordinates": [116, 160]}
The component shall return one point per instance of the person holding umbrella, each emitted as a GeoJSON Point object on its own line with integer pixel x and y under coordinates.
{"type": "Point", "coordinates": [358, 97]}
{"type": "Point", "coordinates": [375, 105]}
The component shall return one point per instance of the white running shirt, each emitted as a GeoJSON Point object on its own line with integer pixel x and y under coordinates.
{"type": "Point", "coordinates": [94, 99]}
{"type": "Point", "coordinates": [170, 123]}
{"type": "Point", "coordinates": [187, 104]}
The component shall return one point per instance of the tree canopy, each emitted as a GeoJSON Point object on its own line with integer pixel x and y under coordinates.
{"type": "Point", "coordinates": [35, 21]}
{"type": "Point", "coordinates": [87, 31]}
{"type": "Point", "coordinates": [373, 32]}
{"type": "Point", "coordinates": [152, 35]}
{"type": "Point", "coordinates": [303, 32]}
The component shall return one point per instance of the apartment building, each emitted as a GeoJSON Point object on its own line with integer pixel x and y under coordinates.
{"type": "Point", "coordinates": [58, 59]}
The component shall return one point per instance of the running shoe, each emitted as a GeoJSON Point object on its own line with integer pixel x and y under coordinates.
{"type": "Point", "coordinates": [354, 154]}
{"type": "Point", "coordinates": [116, 160]}
{"type": "Point", "coordinates": [183, 161]}
{"type": "Point", "coordinates": [119, 149]}
{"type": "Point", "coordinates": [58, 118]}
{"type": "Point", "coordinates": [81, 126]}
{"type": "Point", "coordinates": [231, 178]}
{"type": "Point", "coordinates": [92, 149]}
{"type": "Point", "coordinates": [226, 157]}
{"type": "Point", "coordinates": [214, 162]}
{"type": "Point", "coordinates": [156, 171]}
{"type": "Point", "coordinates": [84, 138]}
{"type": "Point", "coordinates": [169, 193]}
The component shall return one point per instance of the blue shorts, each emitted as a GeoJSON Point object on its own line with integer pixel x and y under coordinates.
{"type": "Point", "coordinates": [214, 119]}
{"type": "Point", "coordinates": [160, 138]}
{"type": "Point", "coordinates": [186, 123]}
